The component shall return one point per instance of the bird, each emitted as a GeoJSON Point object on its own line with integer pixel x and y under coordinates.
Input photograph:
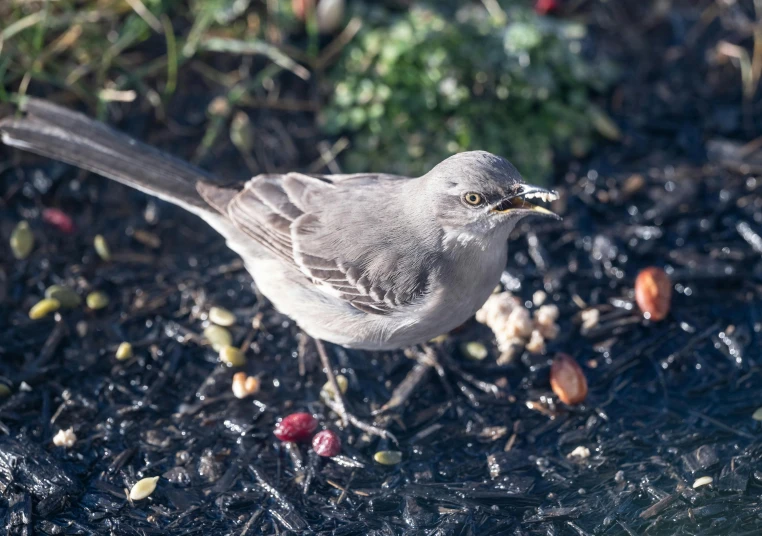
{"type": "Point", "coordinates": [371, 261]}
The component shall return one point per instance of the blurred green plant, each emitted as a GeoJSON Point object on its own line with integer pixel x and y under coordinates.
{"type": "Point", "coordinates": [417, 87]}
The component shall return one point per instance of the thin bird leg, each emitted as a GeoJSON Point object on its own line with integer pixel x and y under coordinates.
{"type": "Point", "coordinates": [338, 404]}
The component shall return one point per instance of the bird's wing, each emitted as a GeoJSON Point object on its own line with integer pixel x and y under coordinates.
{"type": "Point", "coordinates": [309, 223]}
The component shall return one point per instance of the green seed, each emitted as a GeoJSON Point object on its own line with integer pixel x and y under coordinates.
{"type": "Point", "coordinates": [327, 394]}
{"type": "Point", "coordinates": [221, 317]}
{"type": "Point", "coordinates": [143, 488]}
{"type": "Point", "coordinates": [22, 240]}
{"type": "Point", "coordinates": [101, 247]}
{"type": "Point", "coordinates": [124, 351]}
{"type": "Point", "coordinates": [474, 350]}
{"type": "Point", "coordinates": [218, 337]}
{"type": "Point", "coordinates": [66, 296]}
{"type": "Point", "coordinates": [232, 356]}
{"type": "Point", "coordinates": [757, 415]}
{"type": "Point", "coordinates": [388, 457]}
{"type": "Point", "coordinates": [5, 391]}
{"type": "Point", "coordinates": [96, 300]}
{"type": "Point", "coordinates": [43, 308]}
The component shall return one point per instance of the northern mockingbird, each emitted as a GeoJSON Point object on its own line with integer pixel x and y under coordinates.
{"type": "Point", "coordinates": [370, 261]}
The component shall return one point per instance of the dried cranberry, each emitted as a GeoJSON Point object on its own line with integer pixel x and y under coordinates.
{"type": "Point", "coordinates": [295, 427]}
{"type": "Point", "coordinates": [326, 443]}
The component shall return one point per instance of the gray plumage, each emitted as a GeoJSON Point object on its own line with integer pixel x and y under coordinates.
{"type": "Point", "coordinates": [367, 261]}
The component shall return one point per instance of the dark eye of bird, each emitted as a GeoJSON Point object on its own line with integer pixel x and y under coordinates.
{"type": "Point", "coordinates": [473, 199]}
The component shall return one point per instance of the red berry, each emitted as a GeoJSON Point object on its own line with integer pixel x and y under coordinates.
{"type": "Point", "coordinates": [59, 219]}
{"type": "Point", "coordinates": [543, 7]}
{"type": "Point", "coordinates": [295, 427]}
{"type": "Point", "coordinates": [326, 443]}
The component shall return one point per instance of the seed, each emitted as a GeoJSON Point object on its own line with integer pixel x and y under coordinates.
{"type": "Point", "coordinates": [757, 415]}
{"type": "Point", "coordinates": [65, 438]}
{"type": "Point", "coordinates": [295, 427]}
{"type": "Point", "coordinates": [326, 392]}
{"type": "Point", "coordinates": [244, 385]}
{"type": "Point", "coordinates": [221, 317]}
{"type": "Point", "coordinates": [22, 240]}
{"type": "Point", "coordinates": [65, 296]}
{"type": "Point", "coordinates": [653, 292]}
{"type": "Point", "coordinates": [567, 380]}
{"type": "Point", "coordinates": [124, 351]}
{"type": "Point", "coordinates": [474, 350]}
{"type": "Point", "coordinates": [143, 488]}
{"type": "Point", "coordinates": [218, 337]}
{"type": "Point", "coordinates": [702, 481]}
{"type": "Point", "coordinates": [232, 356]}
{"type": "Point", "coordinates": [101, 247]}
{"type": "Point", "coordinates": [43, 308]}
{"type": "Point", "coordinates": [536, 343]}
{"type": "Point", "coordinates": [4, 390]}
{"type": "Point", "coordinates": [326, 443]}
{"type": "Point", "coordinates": [58, 219]}
{"type": "Point", "coordinates": [580, 452]}
{"type": "Point", "coordinates": [96, 300]}
{"type": "Point", "coordinates": [388, 457]}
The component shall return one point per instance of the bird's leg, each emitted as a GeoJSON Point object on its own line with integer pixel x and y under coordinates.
{"type": "Point", "coordinates": [339, 405]}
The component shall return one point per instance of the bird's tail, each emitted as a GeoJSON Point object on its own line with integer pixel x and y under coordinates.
{"type": "Point", "coordinates": [59, 133]}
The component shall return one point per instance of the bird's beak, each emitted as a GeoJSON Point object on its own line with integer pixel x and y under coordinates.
{"type": "Point", "coordinates": [517, 202]}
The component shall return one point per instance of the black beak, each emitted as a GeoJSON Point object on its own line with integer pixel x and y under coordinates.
{"type": "Point", "coordinates": [518, 201]}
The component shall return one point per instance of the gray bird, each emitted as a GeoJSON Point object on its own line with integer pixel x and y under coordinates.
{"type": "Point", "coordinates": [370, 261]}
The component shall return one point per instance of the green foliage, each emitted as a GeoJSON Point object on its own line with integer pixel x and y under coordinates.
{"type": "Point", "coordinates": [417, 87]}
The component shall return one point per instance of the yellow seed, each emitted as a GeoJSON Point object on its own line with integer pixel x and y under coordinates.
{"type": "Point", "coordinates": [244, 385]}
{"type": "Point", "coordinates": [326, 392]}
{"type": "Point", "coordinates": [702, 481]}
{"type": "Point", "coordinates": [232, 356]}
{"type": "Point", "coordinates": [474, 350]}
{"type": "Point", "coordinates": [218, 337]}
{"type": "Point", "coordinates": [388, 457]}
{"type": "Point", "coordinates": [143, 488]}
{"type": "Point", "coordinates": [4, 390]}
{"type": "Point", "coordinates": [101, 247]}
{"type": "Point", "coordinates": [43, 308]}
{"type": "Point", "coordinates": [221, 317]}
{"type": "Point", "coordinates": [22, 240]}
{"type": "Point", "coordinates": [97, 300]}
{"type": "Point", "coordinates": [65, 296]}
{"type": "Point", "coordinates": [124, 351]}
{"type": "Point", "coordinates": [757, 415]}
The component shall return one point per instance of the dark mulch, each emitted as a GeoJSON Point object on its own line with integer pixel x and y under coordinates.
{"type": "Point", "coordinates": [669, 402]}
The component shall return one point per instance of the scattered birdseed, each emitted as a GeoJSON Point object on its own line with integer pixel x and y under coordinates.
{"type": "Point", "coordinates": [65, 296]}
{"type": "Point", "coordinates": [22, 240]}
{"type": "Point", "coordinates": [232, 356]}
{"type": "Point", "coordinates": [96, 300]}
{"type": "Point", "coordinates": [702, 481]}
{"type": "Point", "coordinates": [295, 427]}
{"type": "Point", "coordinates": [474, 350]}
{"type": "Point", "coordinates": [244, 385]}
{"type": "Point", "coordinates": [4, 390]}
{"type": "Point", "coordinates": [43, 308]}
{"type": "Point", "coordinates": [546, 315]}
{"type": "Point", "coordinates": [101, 247]}
{"type": "Point", "coordinates": [653, 293]}
{"type": "Point", "coordinates": [757, 415]}
{"type": "Point", "coordinates": [143, 488]}
{"type": "Point", "coordinates": [579, 452]}
{"type": "Point", "coordinates": [65, 438]}
{"type": "Point", "coordinates": [124, 351]}
{"type": "Point", "coordinates": [567, 380]}
{"type": "Point", "coordinates": [326, 443]}
{"type": "Point", "coordinates": [221, 317]}
{"type": "Point", "coordinates": [539, 297]}
{"type": "Point", "coordinates": [326, 392]}
{"type": "Point", "coordinates": [590, 318]}
{"type": "Point", "coordinates": [388, 457]}
{"type": "Point", "coordinates": [536, 343]}
{"type": "Point", "coordinates": [218, 336]}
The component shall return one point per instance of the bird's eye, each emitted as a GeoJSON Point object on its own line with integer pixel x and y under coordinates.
{"type": "Point", "coordinates": [473, 199]}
